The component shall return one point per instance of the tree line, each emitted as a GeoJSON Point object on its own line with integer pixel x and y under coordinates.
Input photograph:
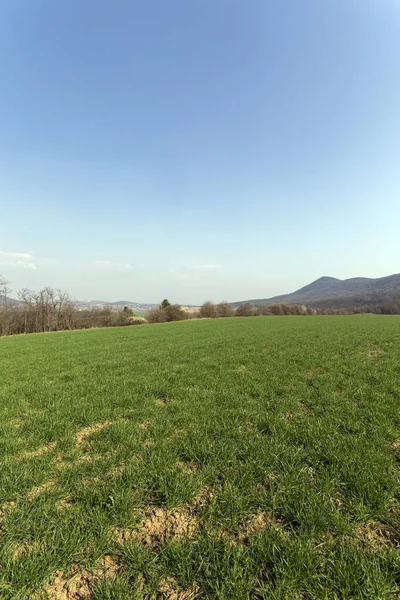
{"type": "Point", "coordinates": [55, 310]}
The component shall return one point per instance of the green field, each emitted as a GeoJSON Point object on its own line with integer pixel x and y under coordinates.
{"type": "Point", "coordinates": [231, 458]}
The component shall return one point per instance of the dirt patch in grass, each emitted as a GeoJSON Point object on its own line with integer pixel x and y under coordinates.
{"type": "Point", "coordinates": [117, 470]}
{"type": "Point", "coordinates": [188, 467]}
{"type": "Point", "coordinates": [121, 536]}
{"type": "Point", "coordinates": [375, 535]}
{"type": "Point", "coordinates": [75, 587]}
{"type": "Point", "coordinates": [258, 522]}
{"type": "Point", "coordinates": [81, 436]}
{"type": "Point", "coordinates": [23, 548]}
{"type": "Point", "coordinates": [15, 423]}
{"type": "Point", "coordinates": [254, 524]}
{"type": "Point", "coordinates": [39, 452]}
{"type": "Point", "coordinates": [375, 352]}
{"type": "Point", "coordinates": [160, 524]}
{"type": "Point", "coordinates": [162, 401]}
{"type": "Point", "coordinates": [7, 508]}
{"type": "Point", "coordinates": [169, 590]}
{"type": "Point", "coordinates": [144, 425]}
{"type": "Point", "coordinates": [80, 583]}
{"type": "Point", "coordinates": [84, 459]}
{"type": "Point", "coordinates": [36, 491]}
{"type": "Point", "coordinates": [288, 416]}
{"type": "Point", "coordinates": [202, 497]}
{"type": "Point", "coordinates": [241, 369]}
{"type": "Point", "coordinates": [63, 503]}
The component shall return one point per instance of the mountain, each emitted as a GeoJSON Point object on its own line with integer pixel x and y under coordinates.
{"type": "Point", "coordinates": [329, 292]}
{"type": "Point", "coordinates": [9, 300]}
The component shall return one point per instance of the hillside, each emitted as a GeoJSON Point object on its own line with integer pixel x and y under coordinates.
{"type": "Point", "coordinates": [9, 300]}
{"type": "Point", "coordinates": [329, 292]}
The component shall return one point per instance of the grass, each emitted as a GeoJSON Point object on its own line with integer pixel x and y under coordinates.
{"type": "Point", "coordinates": [234, 459]}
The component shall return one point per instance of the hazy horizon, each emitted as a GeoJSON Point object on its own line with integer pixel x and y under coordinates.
{"type": "Point", "coordinates": [207, 150]}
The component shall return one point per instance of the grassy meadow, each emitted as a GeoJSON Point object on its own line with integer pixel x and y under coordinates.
{"type": "Point", "coordinates": [217, 459]}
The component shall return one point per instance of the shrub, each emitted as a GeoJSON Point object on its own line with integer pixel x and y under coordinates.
{"type": "Point", "coordinates": [263, 311]}
{"type": "Point", "coordinates": [175, 312]}
{"type": "Point", "coordinates": [245, 310]}
{"type": "Point", "coordinates": [208, 310]}
{"type": "Point", "coordinates": [157, 315]}
{"type": "Point", "coordinates": [224, 310]}
{"type": "Point", "coordinates": [166, 313]}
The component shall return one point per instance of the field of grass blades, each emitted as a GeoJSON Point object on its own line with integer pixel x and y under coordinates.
{"type": "Point", "coordinates": [243, 458]}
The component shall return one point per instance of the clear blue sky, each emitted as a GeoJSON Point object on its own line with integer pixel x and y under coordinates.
{"type": "Point", "coordinates": [198, 149]}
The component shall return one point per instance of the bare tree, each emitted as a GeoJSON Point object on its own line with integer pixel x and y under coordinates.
{"type": "Point", "coordinates": [245, 310]}
{"type": "Point", "coordinates": [263, 310]}
{"type": "Point", "coordinates": [5, 290]}
{"type": "Point", "coordinates": [208, 310]}
{"type": "Point", "coordinates": [224, 310]}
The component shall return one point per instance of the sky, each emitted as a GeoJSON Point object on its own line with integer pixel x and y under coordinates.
{"type": "Point", "coordinates": [198, 149]}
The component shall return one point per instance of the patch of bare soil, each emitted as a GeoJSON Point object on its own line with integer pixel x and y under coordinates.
{"type": "Point", "coordinates": [117, 470]}
{"type": "Point", "coordinates": [163, 401]}
{"type": "Point", "coordinates": [7, 508]}
{"type": "Point", "coordinates": [375, 535]}
{"type": "Point", "coordinates": [375, 352]}
{"type": "Point", "coordinates": [288, 416]}
{"type": "Point", "coordinates": [144, 425]}
{"type": "Point", "coordinates": [36, 491]}
{"type": "Point", "coordinates": [39, 452]}
{"type": "Point", "coordinates": [82, 435]}
{"type": "Point", "coordinates": [121, 536]}
{"type": "Point", "coordinates": [169, 590]}
{"type": "Point", "coordinates": [202, 498]}
{"type": "Point", "coordinates": [252, 525]}
{"type": "Point", "coordinates": [17, 422]}
{"type": "Point", "coordinates": [22, 549]}
{"type": "Point", "coordinates": [188, 467]}
{"type": "Point", "coordinates": [241, 369]}
{"type": "Point", "coordinates": [160, 524]}
{"type": "Point", "coordinates": [81, 583]}
{"type": "Point", "coordinates": [63, 504]}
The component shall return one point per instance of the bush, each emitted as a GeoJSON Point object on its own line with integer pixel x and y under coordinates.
{"type": "Point", "coordinates": [157, 315]}
{"type": "Point", "coordinates": [208, 310]}
{"type": "Point", "coordinates": [175, 312]}
{"type": "Point", "coordinates": [245, 310]}
{"type": "Point", "coordinates": [263, 311]}
{"type": "Point", "coordinates": [224, 310]}
{"type": "Point", "coordinates": [167, 313]}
